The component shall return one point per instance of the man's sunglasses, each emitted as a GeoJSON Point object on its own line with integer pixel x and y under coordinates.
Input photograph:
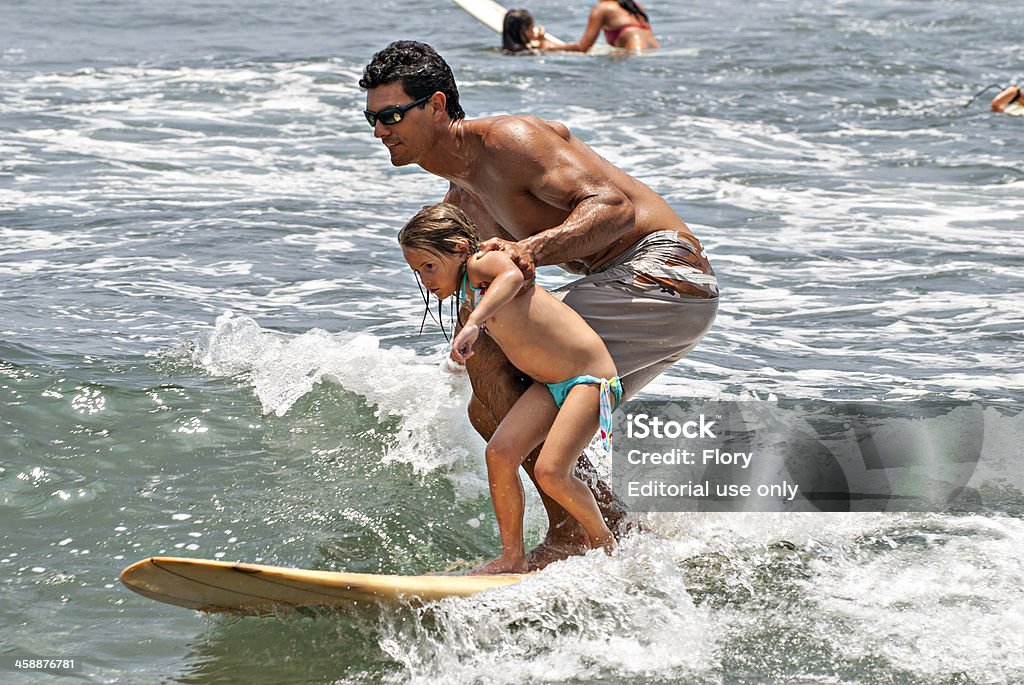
{"type": "Point", "coordinates": [389, 116]}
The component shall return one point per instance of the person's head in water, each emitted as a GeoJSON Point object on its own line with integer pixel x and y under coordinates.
{"type": "Point", "coordinates": [518, 31]}
{"type": "Point", "coordinates": [420, 71]}
{"type": "Point", "coordinates": [436, 243]}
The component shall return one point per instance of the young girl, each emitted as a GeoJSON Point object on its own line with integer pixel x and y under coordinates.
{"type": "Point", "coordinates": [575, 388]}
{"type": "Point", "coordinates": [520, 33]}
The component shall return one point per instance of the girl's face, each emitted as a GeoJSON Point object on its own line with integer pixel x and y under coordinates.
{"type": "Point", "coordinates": [439, 272]}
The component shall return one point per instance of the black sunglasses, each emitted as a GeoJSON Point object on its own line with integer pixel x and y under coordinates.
{"type": "Point", "coordinates": [389, 116]}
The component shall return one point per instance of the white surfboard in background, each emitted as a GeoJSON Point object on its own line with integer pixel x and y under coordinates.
{"type": "Point", "coordinates": [491, 15]}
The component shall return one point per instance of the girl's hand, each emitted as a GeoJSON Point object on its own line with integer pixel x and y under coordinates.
{"type": "Point", "coordinates": [538, 36]}
{"type": "Point", "coordinates": [462, 346]}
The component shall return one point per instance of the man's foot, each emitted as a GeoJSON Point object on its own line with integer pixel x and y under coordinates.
{"type": "Point", "coordinates": [566, 541]}
{"type": "Point", "coordinates": [501, 565]}
{"type": "Point", "coordinates": [548, 552]}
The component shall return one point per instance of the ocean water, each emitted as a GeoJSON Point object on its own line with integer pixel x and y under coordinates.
{"type": "Point", "coordinates": [209, 348]}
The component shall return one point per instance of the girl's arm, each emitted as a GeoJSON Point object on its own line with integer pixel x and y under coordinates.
{"type": "Point", "coordinates": [505, 281]}
{"type": "Point", "coordinates": [590, 34]}
{"type": "Point", "coordinates": [545, 44]}
{"type": "Point", "coordinates": [504, 277]}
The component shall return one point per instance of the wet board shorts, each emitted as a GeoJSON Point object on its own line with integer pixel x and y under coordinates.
{"type": "Point", "coordinates": [651, 305]}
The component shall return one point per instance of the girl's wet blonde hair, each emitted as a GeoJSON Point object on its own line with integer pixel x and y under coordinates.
{"type": "Point", "coordinates": [439, 228]}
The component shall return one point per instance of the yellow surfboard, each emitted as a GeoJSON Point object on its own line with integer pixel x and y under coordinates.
{"type": "Point", "coordinates": [252, 589]}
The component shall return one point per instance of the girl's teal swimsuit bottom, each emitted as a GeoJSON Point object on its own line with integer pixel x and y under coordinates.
{"type": "Point", "coordinates": [609, 388]}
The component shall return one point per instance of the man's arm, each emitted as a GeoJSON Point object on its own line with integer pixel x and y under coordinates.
{"type": "Point", "coordinates": [566, 177]}
{"type": "Point", "coordinates": [600, 215]}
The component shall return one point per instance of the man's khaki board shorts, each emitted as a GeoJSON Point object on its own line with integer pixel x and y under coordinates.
{"type": "Point", "coordinates": [651, 305]}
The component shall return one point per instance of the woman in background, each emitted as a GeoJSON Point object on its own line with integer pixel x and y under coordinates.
{"type": "Point", "coordinates": [625, 25]}
{"type": "Point", "coordinates": [520, 33]}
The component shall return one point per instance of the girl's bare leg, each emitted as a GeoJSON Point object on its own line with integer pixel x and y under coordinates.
{"type": "Point", "coordinates": [497, 385]}
{"type": "Point", "coordinates": [572, 430]}
{"type": "Point", "coordinates": [523, 428]}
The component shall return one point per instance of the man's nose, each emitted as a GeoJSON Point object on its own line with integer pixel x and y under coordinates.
{"type": "Point", "coordinates": [379, 129]}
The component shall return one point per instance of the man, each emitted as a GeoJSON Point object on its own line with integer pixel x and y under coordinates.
{"type": "Point", "coordinates": [546, 198]}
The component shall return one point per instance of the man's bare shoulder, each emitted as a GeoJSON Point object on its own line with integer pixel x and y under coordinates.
{"type": "Point", "coordinates": [513, 130]}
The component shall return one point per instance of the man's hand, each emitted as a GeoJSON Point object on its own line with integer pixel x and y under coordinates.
{"type": "Point", "coordinates": [518, 253]}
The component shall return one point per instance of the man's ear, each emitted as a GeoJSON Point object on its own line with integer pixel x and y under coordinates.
{"type": "Point", "coordinates": [438, 101]}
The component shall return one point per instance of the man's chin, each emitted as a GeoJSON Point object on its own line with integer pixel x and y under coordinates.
{"type": "Point", "coordinates": [397, 158]}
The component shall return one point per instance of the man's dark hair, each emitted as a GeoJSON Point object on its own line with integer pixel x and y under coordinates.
{"type": "Point", "coordinates": [419, 68]}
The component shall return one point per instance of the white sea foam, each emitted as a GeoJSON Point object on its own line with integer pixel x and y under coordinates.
{"type": "Point", "coordinates": [638, 617]}
{"type": "Point", "coordinates": [546, 629]}
{"type": "Point", "coordinates": [941, 601]}
{"type": "Point", "coordinates": [428, 400]}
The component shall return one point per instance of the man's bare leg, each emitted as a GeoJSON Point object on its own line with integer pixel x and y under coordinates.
{"type": "Point", "coordinates": [496, 387]}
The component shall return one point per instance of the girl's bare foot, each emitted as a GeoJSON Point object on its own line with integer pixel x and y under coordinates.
{"type": "Point", "coordinates": [605, 542]}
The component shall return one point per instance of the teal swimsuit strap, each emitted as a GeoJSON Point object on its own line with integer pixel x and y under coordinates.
{"type": "Point", "coordinates": [559, 391]}
{"type": "Point", "coordinates": [464, 296]}
{"type": "Point", "coordinates": [466, 284]}
{"type": "Point", "coordinates": [462, 288]}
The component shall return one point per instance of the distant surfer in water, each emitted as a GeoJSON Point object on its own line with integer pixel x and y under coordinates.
{"type": "Point", "coordinates": [625, 25]}
{"type": "Point", "coordinates": [541, 196]}
{"type": "Point", "coordinates": [575, 385]}
{"type": "Point", "coordinates": [1009, 99]}
{"type": "Point", "coordinates": [520, 33]}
